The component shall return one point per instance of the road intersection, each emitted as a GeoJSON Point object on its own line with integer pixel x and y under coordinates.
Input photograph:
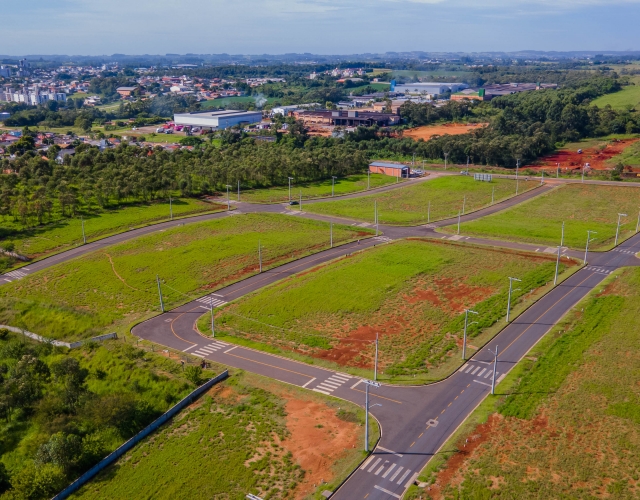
{"type": "Point", "coordinates": [415, 420]}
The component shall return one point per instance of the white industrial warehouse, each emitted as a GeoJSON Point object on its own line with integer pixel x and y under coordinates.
{"type": "Point", "coordinates": [217, 120]}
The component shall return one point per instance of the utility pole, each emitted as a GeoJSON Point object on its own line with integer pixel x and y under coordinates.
{"type": "Point", "coordinates": [367, 383]}
{"type": "Point", "coordinates": [333, 183]}
{"type": "Point", "coordinates": [557, 170]}
{"type": "Point", "coordinates": [542, 178]}
{"type": "Point", "coordinates": [429, 213]}
{"type": "Point", "coordinates": [368, 180]}
{"type": "Point", "coordinates": [213, 331]}
{"type": "Point", "coordinates": [445, 160]}
{"type": "Point", "coordinates": [260, 255]}
{"type": "Point", "coordinates": [290, 179]}
{"type": "Point", "coordinates": [458, 222]}
{"type": "Point", "coordinates": [586, 248]}
{"type": "Point", "coordinates": [84, 236]}
{"type": "Point", "coordinates": [464, 337]}
{"type": "Point", "coordinates": [555, 279]}
{"type": "Point", "coordinates": [495, 367]}
{"type": "Point", "coordinates": [228, 200]}
{"type": "Point", "coordinates": [464, 202]}
{"type": "Point", "coordinates": [493, 193]}
{"type": "Point", "coordinates": [517, 167]}
{"type": "Point", "coordinates": [467, 165]}
{"type": "Point", "coordinates": [562, 237]}
{"type": "Point", "coordinates": [511, 280]}
{"type": "Point", "coordinates": [160, 293]}
{"type": "Point", "coordinates": [331, 229]}
{"type": "Point", "coordinates": [375, 208]}
{"type": "Point", "coordinates": [618, 228]}
{"type": "Point", "coordinates": [300, 203]}
{"type": "Point", "coordinates": [238, 189]}
{"type": "Point", "coordinates": [170, 208]}
{"type": "Point", "coordinates": [638, 223]}
{"type": "Point", "coordinates": [375, 365]}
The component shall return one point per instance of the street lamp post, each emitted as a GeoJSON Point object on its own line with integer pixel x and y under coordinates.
{"type": "Point", "coordinates": [375, 208]}
{"type": "Point", "coordinates": [555, 279]}
{"type": "Point", "coordinates": [375, 363]}
{"type": "Point", "coordinates": [260, 255]}
{"type": "Point", "coordinates": [429, 214]}
{"type": "Point", "coordinates": [464, 202]}
{"type": "Point", "coordinates": [367, 383]}
{"type": "Point", "coordinates": [495, 366]}
{"type": "Point", "coordinates": [542, 178]}
{"type": "Point", "coordinates": [228, 200]}
{"type": "Point", "coordinates": [213, 331]}
{"type": "Point", "coordinates": [562, 236]}
{"type": "Point", "coordinates": [446, 155]}
{"type": "Point", "coordinates": [333, 183]}
{"type": "Point", "coordinates": [557, 170]}
{"type": "Point", "coordinates": [458, 222]}
{"type": "Point", "coordinates": [586, 248]}
{"type": "Point", "coordinates": [618, 228]}
{"type": "Point", "coordinates": [368, 179]}
{"type": "Point", "coordinates": [511, 280]}
{"type": "Point", "coordinates": [84, 236]}
{"type": "Point", "coordinates": [300, 204]}
{"type": "Point", "coordinates": [464, 338]}
{"type": "Point", "coordinates": [170, 208]}
{"type": "Point", "coordinates": [493, 193]}
{"type": "Point", "coordinates": [238, 189]}
{"type": "Point", "coordinates": [583, 172]}
{"type": "Point", "coordinates": [638, 223]}
{"type": "Point", "coordinates": [331, 235]}
{"type": "Point", "coordinates": [160, 293]}
{"type": "Point", "coordinates": [517, 168]}
{"type": "Point", "coordinates": [290, 179]}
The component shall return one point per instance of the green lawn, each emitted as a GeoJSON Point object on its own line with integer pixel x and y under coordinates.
{"type": "Point", "coordinates": [628, 96]}
{"type": "Point", "coordinates": [581, 206]}
{"type": "Point", "coordinates": [630, 156]}
{"type": "Point", "coordinates": [411, 292]}
{"type": "Point", "coordinates": [569, 427]}
{"type": "Point", "coordinates": [244, 436]}
{"type": "Point", "coordinates": [63, 234]}
{"type": "Point", "coordinates": [429, 200]}
{"type": "Point", "coordinates": [110, 289]}
{"type": "Point", "coordinates": [319, 189]}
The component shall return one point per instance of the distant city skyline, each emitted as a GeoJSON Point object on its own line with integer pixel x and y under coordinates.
{"type": "Point", "coordinates": [317, 26]}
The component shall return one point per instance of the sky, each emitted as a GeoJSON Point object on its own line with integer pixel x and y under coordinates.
{"type": "Point", "coordinates": [90, 27]}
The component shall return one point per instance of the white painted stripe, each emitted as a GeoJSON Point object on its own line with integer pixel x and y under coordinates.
{"type": "Point", "coordinates": [7, 280]}
{"type": "Point", "coordinates": [331, 384]}
{"type": "Point", "coordinates": [340, 375]}
{"type": "Point", "coordinates": [411, 480]}
{"type": "Point", "coordinates": [231, 349]}
{"type": "Point", "coordinates": [484, 362]}
{"type": "Point", "coordinates": [379, 470]}
{"type": "Point", "coordinates": [483, 370]}
{"type": "Point", "coordinates": [215, 343]}
{"type": "Point", "coordinates": [325, 387]}
{"type": "Point", "coordinates": [195, 354]}
{"type": "Point", "coordinates": [337, 380]}
{"type": "Point", "coordinates": [386, 491]}
{"type": "Point", "coordinates": [474, 371]}
{"type": "Point", "coordinates": [190, 347]}
{"type": "Point", "coordinates": [305, 385]}
{"type": "Point", "coordinates": [354, 385]}
{"type": "Point", "coordinates": [323, 392]}
{"type": "Point", "coordinates": [396, 473]}
{"type": "Point", "coordinates": [209, 350]}
{"type": "Point", "coordinates": [374, 465]}
{"type": "Point", "coordinates": [393, 466]}
{"type": "Point", "coordinates": [487, 374]}
{"type": "Point", "coordinates": [406, 473]}
{"type": "Point", "coordinates": [366, 462]}
{"type": "Point", "coordinates": [200, 353]}
{"type": "Point", "coordinates": [389, 451]}
{"type": "Point", "coordinates": [205, 308]}
{"type": "Point", "coordinates": [463, 368]}
{"type": "Point", "coordinates": [483, 383]}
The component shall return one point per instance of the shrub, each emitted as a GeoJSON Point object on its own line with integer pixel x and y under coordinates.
{"type": "Point", "coordinates": [193, 374]}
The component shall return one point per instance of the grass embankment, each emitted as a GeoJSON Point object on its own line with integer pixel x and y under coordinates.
{"type": "Point", "coordinates": [111, 289]}
{"type": "Point", "coordinates": [628, 97]}
{"type": "Point", "coordinates": [570, 426]}
{"type": "Point", "coordinates": [629, 156]}
{"type": "Point", "coordinates": [413, 293]}
{"type": "Point", "coordinates": [65, 233]}
{"type": "Point", "coordinates": [430, 200]}
{"type": "Point", "coordinates": [320, 189]}
{"type": "Point", "coordinates": [63, 411]}
{"type": "Point", "coordinates": [247, 435]}
{"type": "Point", "coordinates": [581, 206]}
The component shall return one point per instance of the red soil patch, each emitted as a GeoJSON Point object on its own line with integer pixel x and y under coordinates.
{"type": "Point", "coordinates": [455, 295]}
{"type": "Point", "coordinates": [428, 131]}
{"type": "Point", "coordinates": [595, 157]}
{"type": "Point", "coordinates": [316, 449]}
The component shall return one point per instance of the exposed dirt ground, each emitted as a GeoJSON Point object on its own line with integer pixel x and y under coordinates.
{"type": "Point", "coordinates": [317, 441]}
{"type": "Point", "coordinates": [596, 157]}
{"type": "Point", "coordinates": [428, 131]}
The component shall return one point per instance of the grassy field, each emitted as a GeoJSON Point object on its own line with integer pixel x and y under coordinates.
{"type": "Point", "coordinates": [94, 398]}
{"type": "Point", "coordinates": [630, 156]}
{"type": "Point", "coordinates": [581, 206]}
{"type": "Point", "coordinates": [429, 200]}
{"type": "Point", "coordinates": [570, 426]}
{"type": "Point", "coordinates": [413, 293]}
{"type": "Point", "coordinates": [63, 234]}
{"type": "Point", "coordinates": [320, 189]}
{"type": "Point", "coordinates": [629, 96]}
{"type": "Point", "coordinates": [109, 290]}
{"type": "Point", "coordinates": [247, 435]}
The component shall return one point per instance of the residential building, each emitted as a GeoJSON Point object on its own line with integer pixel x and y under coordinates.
{"type": "Point", "coordinates": [126, 91]}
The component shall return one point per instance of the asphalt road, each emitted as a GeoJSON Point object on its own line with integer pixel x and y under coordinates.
{"type": "Point", "coordinates": [415, 421]}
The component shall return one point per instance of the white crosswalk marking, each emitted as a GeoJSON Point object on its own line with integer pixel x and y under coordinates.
{"type": "Point", "coordinates": [599, 270]}
{"type": "Point", "coordinates": [332, 383]}
{"type": "Point", "coordinates": [209, 300]}
{"type": "Point", "coordinates": [364, 224]}
{"type": "Point", "coordinates": [393, 466]}
{"type": "Point", "coordinates": [406, 473]}
{"type": "Point", "coordinates": [481, 372]}
{"type": "Point", "coordinates": [396, 473]}
{"type": "Point", "coordinates": [474, 371]}
{"type": "Point", "coordinates": [374, 465]}
{"type": "Point", "coordinates": [17, 274]}
{"type": "Point", "coordinates": [215, 346]}
{"type": "Point", "coordinates": [384, 239]}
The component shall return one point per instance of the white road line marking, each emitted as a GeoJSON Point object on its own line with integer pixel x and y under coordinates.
{"type": "Point", "coordinates": [406, 473]}
{"type": "Point", "coordinates": [386, 491]}
{"type": "Point", "coordinates": [389, 451]}
{"type": "Point", "coordinates": [190, 347]}
{"type": "Point", "coordinates": [331, 384]}
{"type": "Point", "coordinates": [483, 370]}
{"type": "Point", "coordinates": [483, 383]}
{"type": "Point", "coordinates": [325, 387]}
{"type": "Point", "coordinates": [366, 462]}
{"type": "Point", "coordinates": [218, 343]}
{"type": "Point", "coordinates": [463, 368]}
{"type": "Point", "coordinates": [196, 354]}
{"type": "Point", "coordinates": [209, 350]}
{"type": "Point", "coordinates": [305, 385]}
{"type": "Point", "coordinates": [474, 371]}
{"type": "Point", "coordinates": [231, 349]}
{"type": "Point", "coordinates": [379, 470]}
{"type": "Point", "coordinates": [338, 379]}
{"type": "Point", "coordinates": [374, 465]}
{"type": "Point", "coordinates": [7, 280]}
{"type": "Point", "coordinates": [354, 385]}
{"type": "Point", "coordinates": [323, 392]}
{"type": "Point", "coordinates": [396, 473]}
{"type": "Point", "coordinates": [484, 362]}
{"type": "Point", "coordinates": [411, 479]}
{"type": "Point", "coordinates": [393, 466]}
{"type": "Point", "coordinates": [342, 375]}
{"type": "Point", "coordinates": [206, 308]}
{"type": "Point", "coordinates": [487, 374]}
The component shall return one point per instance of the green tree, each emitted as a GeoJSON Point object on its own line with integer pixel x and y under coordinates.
{"type": "Point", "coordinates": [193, 374]}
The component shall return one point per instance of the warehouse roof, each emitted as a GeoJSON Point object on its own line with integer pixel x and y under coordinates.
{"type": "Point", "coordinates": [387, 165]}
